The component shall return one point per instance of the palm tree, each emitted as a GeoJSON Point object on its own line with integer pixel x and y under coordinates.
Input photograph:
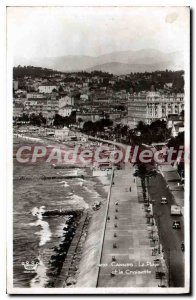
{"type": "Point", "coordinates": [144, 173]}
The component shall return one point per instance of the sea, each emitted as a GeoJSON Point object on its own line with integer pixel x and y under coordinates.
{"type": "Point", "coordinates": [34, 236]}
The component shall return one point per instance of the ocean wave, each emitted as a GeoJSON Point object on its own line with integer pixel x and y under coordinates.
{"type": "Point", "coordinates": [45, 233]}
{"type": "Point", "coordinates": [65, 184]}
{"type": "Point", "coordinates": [94, 193]}
{"type": "Point", "coordinates": [79, 200]}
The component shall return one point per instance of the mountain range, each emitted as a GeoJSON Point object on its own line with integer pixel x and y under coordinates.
{"type": "Point", "coordinates": [118, 63]}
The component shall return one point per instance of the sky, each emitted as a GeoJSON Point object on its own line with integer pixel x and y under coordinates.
{"type": "Point", "coordinates": [58, 31]}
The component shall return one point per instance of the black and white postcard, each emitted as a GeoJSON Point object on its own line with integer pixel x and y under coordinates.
{"type": "Point", "coordinates": [98, 172]}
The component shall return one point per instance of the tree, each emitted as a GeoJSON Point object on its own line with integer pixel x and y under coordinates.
{"type": "Point", "coordinates": [182, 113]}
{"type": "Point", "coordinates": [72, 118]}
{"type": "Point", "coordinates": [42, 119]}
{"type": "Point", "coordinates": [24, 118]}
{"type": "Point", "coordinates": [60, 89]}
{"type": "Point", "coordinates": [87, 127]}
{"type": "Point", "coordinates": [158, 124]}
{"type": "Point", "coordinates": [124, 130]}
{"type": "Point", "coordinates": [35, 120]}
{"type": "Point", "coordinates": [144, 172]}
{"type": "Point", "coordinates": [58, 121]}
{"type": "Point", "coordinates": [80, 120]}
{"type": "Point", "coordinates": [141, 126]}
{"type": "Point", "coordinates": [177, 141]}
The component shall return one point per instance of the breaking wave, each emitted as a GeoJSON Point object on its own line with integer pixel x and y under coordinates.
{"type": "Point", "coordinates": [45, 233]}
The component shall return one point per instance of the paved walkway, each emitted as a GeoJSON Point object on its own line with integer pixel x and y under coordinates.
{"type": "Point", "coordinates": [127, 259]}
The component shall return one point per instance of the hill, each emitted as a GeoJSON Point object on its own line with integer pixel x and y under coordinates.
{"type": "Point", "coordinates": [117, 62]}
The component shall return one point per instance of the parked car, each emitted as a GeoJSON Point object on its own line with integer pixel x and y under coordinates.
{"type": "Point", "coordinates": [176, 210]}
{"type": "Point", "coordinates": [176, 225]}
{"type": "Point", "coordinates": [163, 200]}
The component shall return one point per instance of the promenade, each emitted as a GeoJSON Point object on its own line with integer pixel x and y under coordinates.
{"type": "Point", "coordinates": [128, 258]}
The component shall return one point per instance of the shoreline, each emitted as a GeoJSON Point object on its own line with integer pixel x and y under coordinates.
{"type": "Point", "coordinates": [93, 219]}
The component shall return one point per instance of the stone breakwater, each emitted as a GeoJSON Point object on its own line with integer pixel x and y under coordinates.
{"type": "Point", "coordinates": [61, 252]}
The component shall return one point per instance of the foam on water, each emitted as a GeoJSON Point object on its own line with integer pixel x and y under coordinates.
{"type": "Point", "coordinates": [79, 200]}
{"type": "Point", "coordinates": [94, 193]}
{"type": "Point", "coordinates": [41, 279]}
{"type": "Point", "coordinates": [45, 233]}
{"type": "Point", "coordinates": [65, 184]}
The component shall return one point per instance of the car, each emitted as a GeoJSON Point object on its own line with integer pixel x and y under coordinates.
{"type": "Point", "coordinates": [176, 225]}
{"type": "Point", "coordinates": [163, 200]}
{"type": "Point", "coordinates": [176, 210]}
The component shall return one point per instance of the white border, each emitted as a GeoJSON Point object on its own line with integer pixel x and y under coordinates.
{"type": "Point", "coordinates": [10, 168]}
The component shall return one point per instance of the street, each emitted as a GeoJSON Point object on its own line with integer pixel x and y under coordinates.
{"type": "Point", "coordinates": [170, 238]}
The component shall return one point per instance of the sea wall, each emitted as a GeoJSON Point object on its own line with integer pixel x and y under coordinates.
{"type": "Point", "coordinates": [91, 255]}
{"type": "Point", "coordinates": [88, 267]}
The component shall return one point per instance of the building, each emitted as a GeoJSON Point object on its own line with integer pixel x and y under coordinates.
{"type": "Point", "coordinates": [101, 98]}
{"type": "Point", "coordinates": [64, 134]}
{"type": "Point", "coordinates": [84, 117]}
{"type": "Point", "coordinates": [177, 128]}
{"type": "Point", "coordinates": [35, 105]}
{"type": "Point", "coordinates": [65, 111]}
{"type": "Point", "coordinates": [35, 95]}
{"type": "Point", "coordinates": [151, 106]}
{"type": "Point", "coordinates": [116, 115]}
{"type": "Point", "coordinates": [176, 123]}
{"type": "Point", "coordinates": [84, 97]}
{"type": "Point", "coordinates": [66, 100]}
{"type": "Point", "coordinates": [48, 107]}
{"type": "Point", "coordinates": [18, 110]}
{"type": "Point", "coordinates": [47, 88]}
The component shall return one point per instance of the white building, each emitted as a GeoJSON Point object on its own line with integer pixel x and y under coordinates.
{"type": "Point", "coordinates": [177, 128]}
{"type": "Point", "coordinates": [84, 97]}
{"type": "Point", "coordinates": [62, 134]}
{"type": "Point", "coordinates": [47, 88]}
{"type": "Point", "coordinates": [35, 95]}
{"type": "Point", "coordinates": [66, 100]}
{"type": "Point", "coordinates": [65, 111]}
{"type": "Point", "coordinates": [150, 106]}
{"type": "Point", "coordinates": [176, 123]}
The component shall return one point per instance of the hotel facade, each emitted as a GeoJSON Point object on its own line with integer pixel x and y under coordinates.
{"type": "Point", "coordinates": [151, 106]}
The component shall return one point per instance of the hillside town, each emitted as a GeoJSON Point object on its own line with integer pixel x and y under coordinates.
{"type": "Point", "coordinates": [96, 101]}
